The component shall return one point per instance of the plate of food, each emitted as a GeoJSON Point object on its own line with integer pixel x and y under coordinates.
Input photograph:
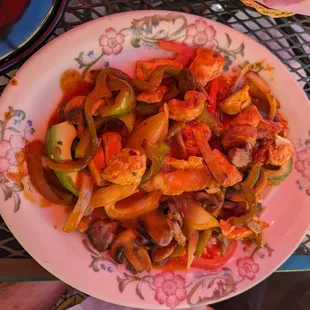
{"type": "Point", "coordinates": [156, 160]}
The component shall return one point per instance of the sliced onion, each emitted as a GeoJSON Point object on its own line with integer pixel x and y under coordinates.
{"type": "Point", "coordinates": [242, 72]}
{"type": "Point", "coordinates": [85, 193]}
{"type": "Point", "coordinates": [193, 238]}
{"type": "Point", "coordinates": [196, 217]}
{"type": "Point", "coordinates": [133, 206]}
{"type": "Point", "coordinates": [109, 195]}
{"type": "Point", "coordinates": [262, 86]}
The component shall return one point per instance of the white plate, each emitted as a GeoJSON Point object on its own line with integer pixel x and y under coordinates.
{"type": "Point", "coordinates": [120, 40]}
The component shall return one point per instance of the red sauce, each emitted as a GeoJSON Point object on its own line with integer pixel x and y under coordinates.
{"type": "Point", "coordinates": [13, 82]}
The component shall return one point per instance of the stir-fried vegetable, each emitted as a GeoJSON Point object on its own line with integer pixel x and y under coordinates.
{"type": "Point", "coordinates": [193, 238]}
{"type": "Point", "coordinates": [203, 242]}
{"type": "Point", "coordinates": [196, 217]}
{"type": "Point", "coordinates": [249, 195]}
{"type": "Point", "coordinates": [169, 165]}
{"type": "Point", "coordinates": [208, 156]}
{"type": "Point", "coordinates": [96, 166]}
{"type": "Point", "coordinates": [128, 120]}
{"type": "Point", "coordinates": [152, 131]}
{"type": "Point", "coordinates": [184, 53]}
{"type": "Point", "coordinates": [212, 258]}
{"type": "Point", "coordinates": [111, 194]}
{"type": "Point", "coordinates": [174, 129]}
{"type": "Point", "coordinates": [207, 118]}
{"type": "Point", "coordinates": [85, 192]}
{"type": "Point", "coordinates": [156, 154]}
{"type": "Point", "coordinates": [35, 151]}
{"type": "Point", "coordinates": [125, 101]}
{"type": "Point", "coordinates": [156, 78]}
{"type": "Point", "coordinates": [134, 206]}
{"type": "Point", "coordinates": [126, 246]}
{"type": "Point", "coordinates": [213, 94]}
{"type": "Point", "coordinates": [257, 83]}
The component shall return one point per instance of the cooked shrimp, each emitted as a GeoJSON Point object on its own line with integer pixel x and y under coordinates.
{"type": "Point", "coordinates": [153, 96]}
{"type": "Point", "coordinates": [207, 65]}
{"type": "Point", "coordinates": [189, 109]}
{"type": "Point", "coordinates": [145, 68]}
{"type": "Point", "coordinates": [125, 168]}
{"type": "Point", "coordinates": [179, 181]}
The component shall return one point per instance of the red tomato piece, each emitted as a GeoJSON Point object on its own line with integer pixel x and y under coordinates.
{"type": "Point", "coordinates": [184, 54]}
{"type": "Point", "coordinates": [211, 258]}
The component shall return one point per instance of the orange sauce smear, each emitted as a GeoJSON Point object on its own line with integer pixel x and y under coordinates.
{"type": "Point", "coordinates": [71, 84]}
{"type": "Point", "coordinates": [173, 265]}
{"type": "Point", "coordinates": [13, 82]}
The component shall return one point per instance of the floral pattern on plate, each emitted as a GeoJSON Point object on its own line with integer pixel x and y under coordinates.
{"type": "Point", "coordinates": [171, 288]}
{"type": "Point", "coordinates": [302, 165]}
{"type": "Point", "coordinates": [145, 32]}
{"type": "Point", "coordinates": [14, 132]}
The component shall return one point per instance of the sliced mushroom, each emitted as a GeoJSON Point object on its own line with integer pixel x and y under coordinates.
{"type": "Point", "coordinates": [158, 227]}
{"type": "Point", "coordinates": [102, 233]}
{"type": "Point", "coordinates": [128, 243]}
{"type": "Point", "coordinates": [160, 255]}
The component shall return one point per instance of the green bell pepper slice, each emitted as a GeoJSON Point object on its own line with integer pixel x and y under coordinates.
{"type": "Point", "coordinates": [249, 195]}
{"type": "Point", "coordinates": [156, 153]}
{"type": "Point", "coordinates": [125, 101]}
{"type": "Point", "coordinates": [156, 77]}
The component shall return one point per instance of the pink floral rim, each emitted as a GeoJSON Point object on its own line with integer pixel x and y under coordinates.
{"type": "Point", "coordinates": [171, 288]}
{"type": "Point", "coordinates": [199, 33]}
